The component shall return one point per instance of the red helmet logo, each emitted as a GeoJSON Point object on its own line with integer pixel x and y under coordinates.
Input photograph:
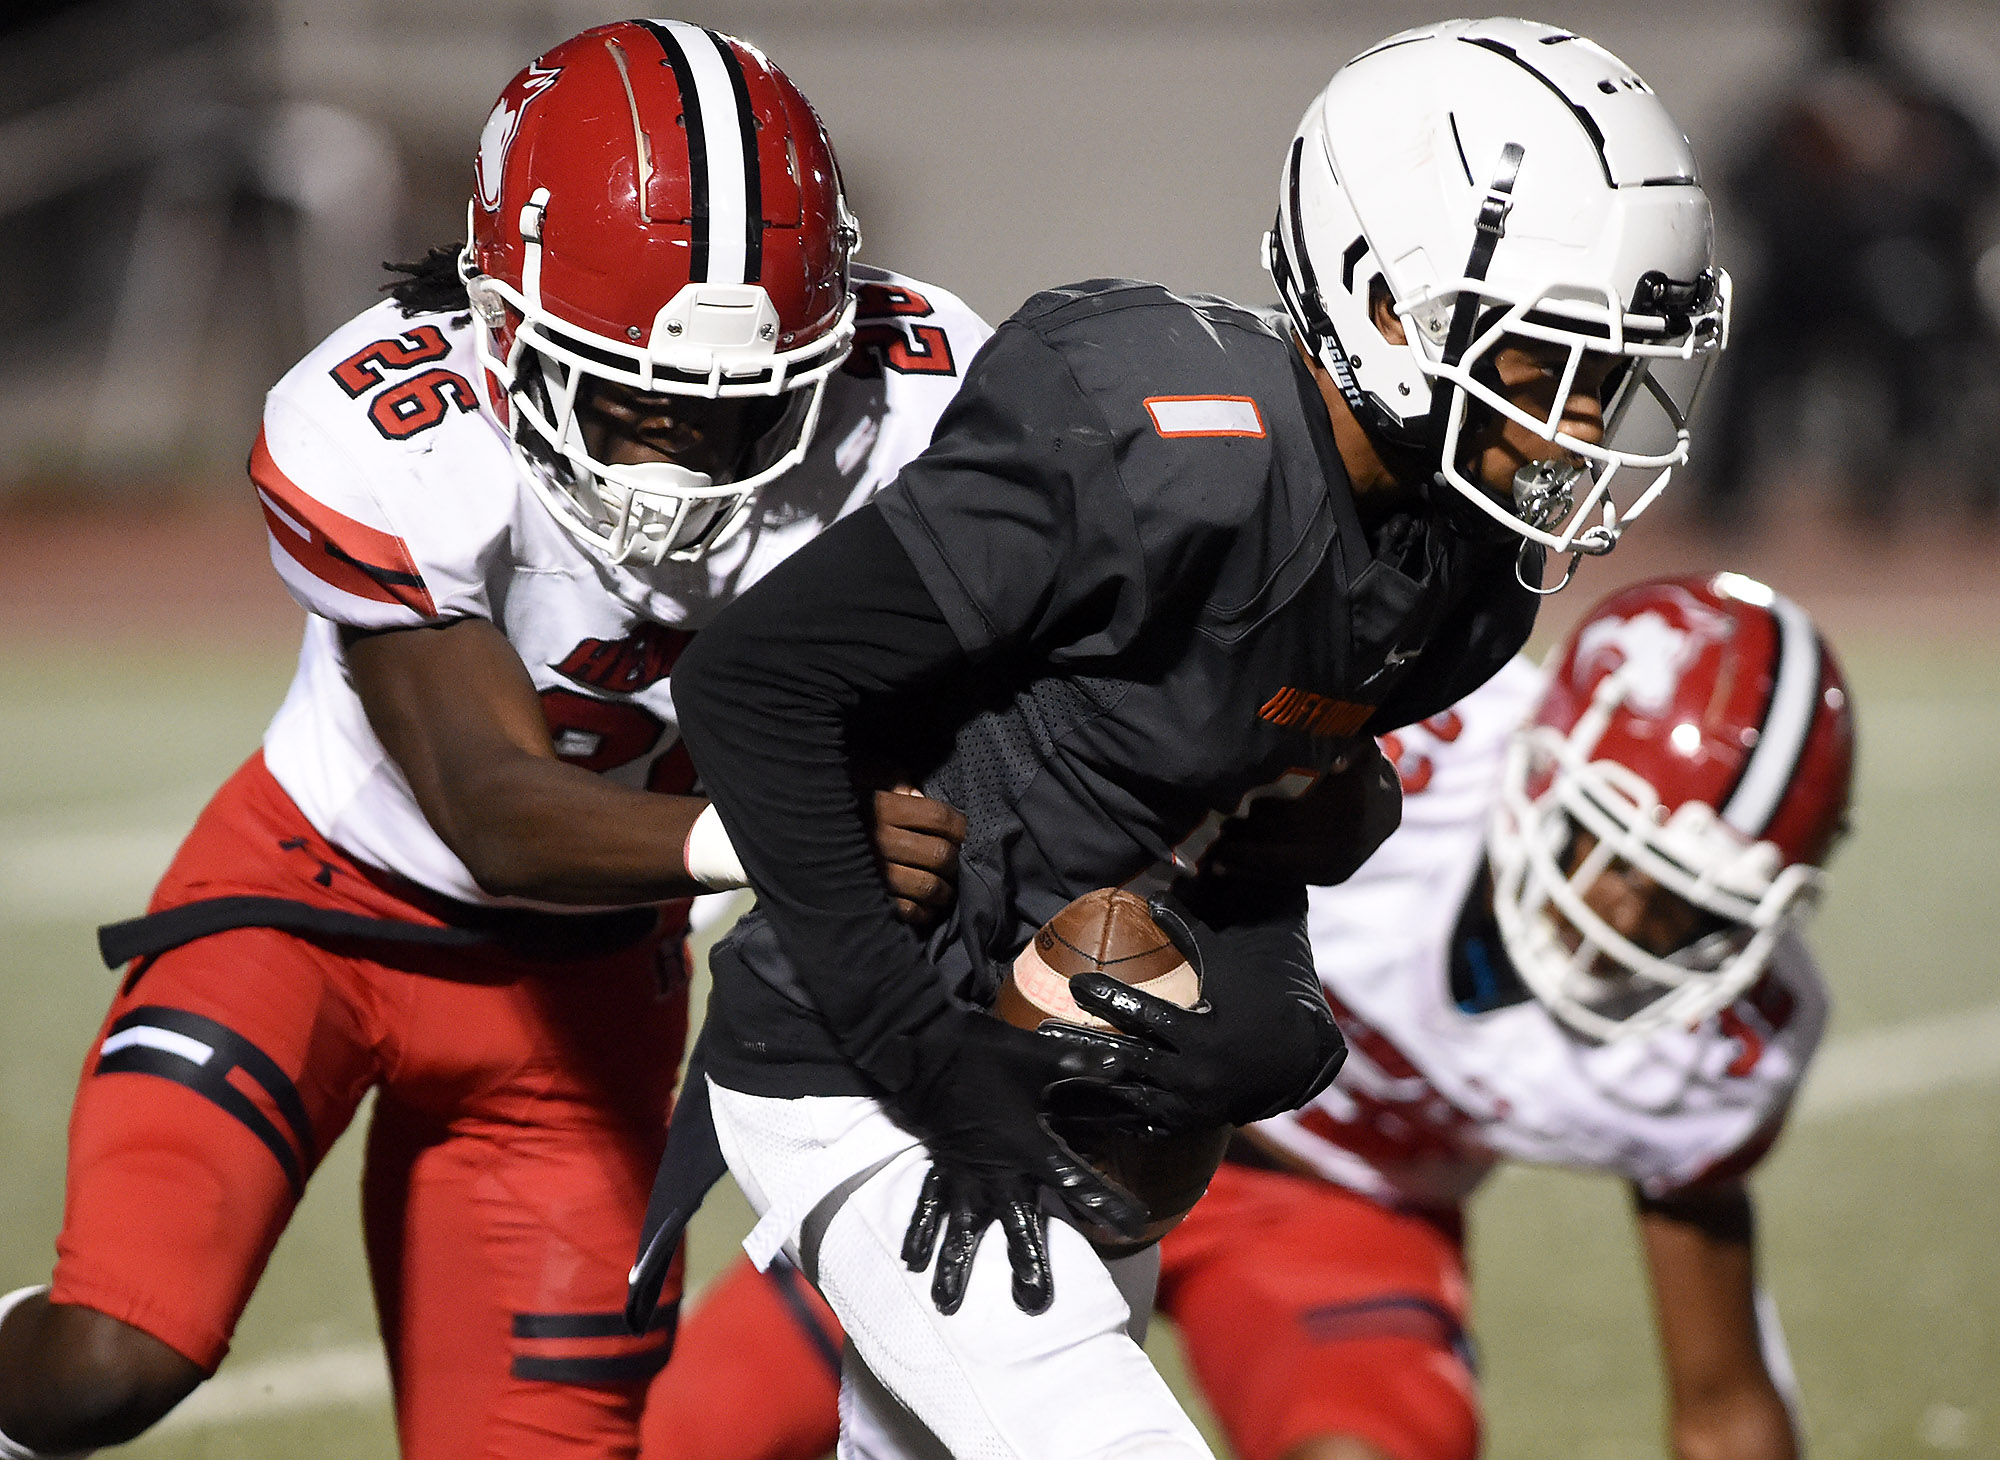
{"type": "Point", "coordinates": [1724, 693]}
{"type": "Point", "coordinates": [1652, 649]}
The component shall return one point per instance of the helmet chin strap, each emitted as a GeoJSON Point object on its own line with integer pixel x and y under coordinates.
{"type": "Point", "coordinates": [1488, 228]}
{"type": "Point", "coordinates": [1536, 491]}
{"type": "Point", "coordinates": [532, 214]}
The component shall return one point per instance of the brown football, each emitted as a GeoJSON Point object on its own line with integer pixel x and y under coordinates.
{"type": "Point", "coordinates": [1109, 931]}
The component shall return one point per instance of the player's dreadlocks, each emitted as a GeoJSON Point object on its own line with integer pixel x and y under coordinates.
{"type": "Point", "coordinates": [431, 285]}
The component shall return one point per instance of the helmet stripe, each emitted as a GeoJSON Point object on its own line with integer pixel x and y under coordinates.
{"type": "Point", "coordinates": [697, 142]}
{"type": "Point", "coordinates": [753, 178]}
{"type": "Point", "coordinates": [721, 141]}
{"type": "Point", "coordinates": [1300, 293]}
{"type": "Point", "coordinates": [1788, 719]}
{"type": "Point", "coordinates": [1582, 114]}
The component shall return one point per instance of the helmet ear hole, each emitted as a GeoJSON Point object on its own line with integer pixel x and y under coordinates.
{"type": "Point", "coordinates": [1382, 310]}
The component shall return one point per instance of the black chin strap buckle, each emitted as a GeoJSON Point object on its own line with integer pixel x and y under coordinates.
{"type": "Point", "coordinates": [1488, 228]}
{"type": "Point", "coordinates": [1487, 231]}
{"type": "Point", "coordinates": [1498, 203]}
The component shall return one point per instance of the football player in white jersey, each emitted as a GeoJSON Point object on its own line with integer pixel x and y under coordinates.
{"type": "Point", "coordinates": [458, 870]}
{"type": "Point", "coordinates": [1581, 948]}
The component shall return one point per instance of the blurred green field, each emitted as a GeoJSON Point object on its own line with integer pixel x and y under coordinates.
{"type": "Point", "coordinates": [1877, 1210]}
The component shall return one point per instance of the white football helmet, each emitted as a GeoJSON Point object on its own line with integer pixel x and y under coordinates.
{"type": "Point", "coordinates": [1504, 178]}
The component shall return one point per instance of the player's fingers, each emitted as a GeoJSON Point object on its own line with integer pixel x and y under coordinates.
{"type": "Point", "coordinates": [1025, 1226]}
{"type": "Point", "coordinates": [921, 911]}
{"type": "Point", "coordinates": [918, 885]}
{"type": "Point", "coordinates": [1089, 1195]}
{"type": "Point", "coordinates": [1125, 1104]}
{"type": "Point", "coordinates": [1183, 929]}
{"type": "Point", "coordinates": [965, 1224]}
{"type": "Point", "coordinates": [920, 1237]}
{"type": "Point", "coordinates": [915, 811]}
{"type": "Point", "coordinates": [1097, 1202]}
{"type": "Point", "coordinates": [1128, 1008]}
{"type": "Point", "coordinates": [924, 851]}
{"type": "Point", "coordinates": [1091, 1054]}
{"type": "Point", "coordinates": [1329, 1051]}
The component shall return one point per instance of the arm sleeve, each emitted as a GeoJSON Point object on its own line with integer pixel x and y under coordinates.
{"type": "Point", "coordinates": [764, 696]}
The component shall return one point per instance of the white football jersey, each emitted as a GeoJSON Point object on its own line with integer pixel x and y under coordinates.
{"type": "Point", "coordinates": [1432, 1096]}
{"type": "Point", "coordinates": [392, 500]}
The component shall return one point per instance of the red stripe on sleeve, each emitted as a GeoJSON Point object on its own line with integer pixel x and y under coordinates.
{"type": "Point", "coordinates": [335, 549]}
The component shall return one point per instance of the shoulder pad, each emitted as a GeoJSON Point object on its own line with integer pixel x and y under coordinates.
{"type": "Point", "coordinates": [371, 523]}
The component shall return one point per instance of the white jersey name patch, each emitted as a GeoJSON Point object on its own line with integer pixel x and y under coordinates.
{"type": "Point", "coordinates": [1205, 415]}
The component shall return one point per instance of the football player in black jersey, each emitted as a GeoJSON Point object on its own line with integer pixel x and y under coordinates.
{"type": "Point", "coordinates": [1167, 563]}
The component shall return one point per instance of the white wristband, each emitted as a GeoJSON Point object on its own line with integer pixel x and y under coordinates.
{"type": "Point", "coordinates": [19, 1296]}
{"type": "Point", "coordinates": [708, 855]}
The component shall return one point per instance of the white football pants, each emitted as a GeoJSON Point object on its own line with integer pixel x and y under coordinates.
{"type": "Point", "coordinates": [834, 1180]}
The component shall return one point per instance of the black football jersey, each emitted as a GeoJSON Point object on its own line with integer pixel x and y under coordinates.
{"type": "Point", "coordinates": [1134, 519]}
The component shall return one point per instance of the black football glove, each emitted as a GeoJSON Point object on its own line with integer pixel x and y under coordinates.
{"type": "Point", "coordinates": [978, 1094]}
{"type": "Point", "coordinates": [964, 1202]}
{"type": "Point", "coordinates": [1261, 1041]}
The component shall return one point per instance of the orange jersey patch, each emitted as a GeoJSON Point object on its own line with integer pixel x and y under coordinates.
{"type": "Point", "coordinates": [1205, 415]}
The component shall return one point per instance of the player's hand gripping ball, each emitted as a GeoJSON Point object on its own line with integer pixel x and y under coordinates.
{"type": "Point", "coordinates": [1109, 931]}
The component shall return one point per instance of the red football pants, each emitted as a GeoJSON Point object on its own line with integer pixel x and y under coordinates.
{"type": "Point", "coordinates": [755, 1373]}
{"type": "Point", "coordinates": [1308, 1311]}
{"type": "Point", "coordinates": [522, 1112]}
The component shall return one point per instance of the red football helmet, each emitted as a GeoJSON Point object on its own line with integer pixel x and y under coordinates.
{"type": "Point", "coordinates": [1696, 732]}
{"type": "Point", "coordinates": [655, 205]}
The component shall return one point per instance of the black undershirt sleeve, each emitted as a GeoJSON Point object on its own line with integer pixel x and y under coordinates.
{"type": "Point", "coordinates": [764, 696]}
